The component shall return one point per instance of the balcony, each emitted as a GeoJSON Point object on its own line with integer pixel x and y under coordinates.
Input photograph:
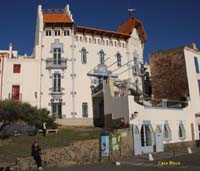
{"type": "Point", "coordinates": [56, 64]}
{"type": "Point", "coordinates": [57, 93]}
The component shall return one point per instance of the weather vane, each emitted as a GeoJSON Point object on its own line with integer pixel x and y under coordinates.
{"type": "Point", "coordinates": [130, 11]}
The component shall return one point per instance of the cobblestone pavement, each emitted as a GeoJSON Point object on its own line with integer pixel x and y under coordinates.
{"type": "Point", "coordinates": [188, 162]}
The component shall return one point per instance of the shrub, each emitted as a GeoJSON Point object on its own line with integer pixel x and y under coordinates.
{"type": "Point", "coordinates": [12, 111]}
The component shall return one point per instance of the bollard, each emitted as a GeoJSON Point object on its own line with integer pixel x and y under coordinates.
{"type": "Point", "coordinates": [150, 157]}
{"type": "Point", "coordinates": [117, 163]}
{"type": "Point", "coordinates": [189, 150]}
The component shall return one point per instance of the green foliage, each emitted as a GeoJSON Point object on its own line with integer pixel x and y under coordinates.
{"type": "Point", "coordinates": [134, 92]}
{"type": "Point", "coordinates": [11, 111]}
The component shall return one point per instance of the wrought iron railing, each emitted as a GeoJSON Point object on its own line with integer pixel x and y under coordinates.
{"type": "Point", "coordinates": [56, 64]}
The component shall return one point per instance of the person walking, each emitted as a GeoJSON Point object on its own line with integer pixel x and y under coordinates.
{"type": "Point", "coordinates": [36, 152]}
{"type": "Point", "coordinates": [44, 129]}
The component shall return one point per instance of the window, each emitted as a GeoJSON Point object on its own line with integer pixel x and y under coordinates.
{"type": "Point", "coordinates": [111, 43]}
{"type": "Point", "coordinates": [57, 110]}
{"type": "Point", "coordinates": [119, 44]}
{"type": "Point", "coordinates": [167, 132]}
{"type": "Point", "coordinates": [56, 82]}
{"type": "Point", "coordinates": [199, 85]}
{"type": "Point", "coordinates": [99, 41]}
{"type": "Point", "coordinates": [57, 56]}
{"type": "Point", "coordinates": [103, 42]}
{"type": "Point", "coordinates": [90, 40]}
{"type": "Point", "coordinates": [106, 42]}
{"type": "Point", "coordinates": [196, 64]}
{"type": "Point", "coordinates": [16, 68]}
{"type": "Point", "coordinates": [66, 32]}
{"type": "Point", "coordinates": [83, 56]}
{"type": "Point", "coordinates": [181, 131]}
{"type": "Point", "coordinates": [115, 43]}
{"type": "Point", "coordinates": [85, 39]}
{"type": "Point", "coordinates": [77, 38]}
{"type": "Point", "coordinates": [101, 57]}
{"type": "Point", "coordinates": [81, 39]}
{"type": "Point", "coordinates": [48, 32]}
{"type": "Point", "coordinates": [136, 65]}
{"type": "Point", "coordinates": [57, 32]}
{"type": "Point", "coordinates": [85, 109]}
{"type": "Point", "coordinates": [146, 135]}
{"type": "Point", "coordinates": [15, 92]}
{"type": "Point", "coordinates": [94, 40]}
{"type": "Point", "coordinates": [119, 64]}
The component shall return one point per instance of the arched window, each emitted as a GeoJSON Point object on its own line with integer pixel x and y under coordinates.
{"type": "Point", "coordinates": [181, 131]}
{"type": "Point", "coordinates": [83, 56]}
{"type": "Point", "coordinates": [167, 136]}
{"type": "Point", "coordinates": [56, 82]}
{"type": "Point", "coordinates": [101, 57]}
{"type": "Point", "coordinates": [119, 61]}
{"type": "Point", "coordinates": [146, 135]}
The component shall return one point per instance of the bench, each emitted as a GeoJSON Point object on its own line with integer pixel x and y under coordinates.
{"type": "Point", "coordinates": [50, 131]}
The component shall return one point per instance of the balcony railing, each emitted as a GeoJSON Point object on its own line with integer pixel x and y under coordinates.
{"type": "Point", "coordinates": [162, 103]}
{"type": "Point", "coordinates": [56, 64]}
{"type": "Point", "coordinates": [56, 92]}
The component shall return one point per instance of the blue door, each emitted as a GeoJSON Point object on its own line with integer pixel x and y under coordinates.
{"type": "Point", "coordinates": [159, 139]}
{"type": "Point", "coordinates": [147, 138]}
{"type": "Point", "coordinates": [136, 140]}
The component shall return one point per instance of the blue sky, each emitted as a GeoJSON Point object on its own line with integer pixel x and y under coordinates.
{"type": "Point", "coordinates": [168, 23]}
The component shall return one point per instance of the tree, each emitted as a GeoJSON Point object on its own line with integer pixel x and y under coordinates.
{"type": "Point", "coordinates": [12, 111]}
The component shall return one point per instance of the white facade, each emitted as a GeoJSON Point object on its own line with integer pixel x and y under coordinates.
{"type": "Point", "coordinates": [74, 83]}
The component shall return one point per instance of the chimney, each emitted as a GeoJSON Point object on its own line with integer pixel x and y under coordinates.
{"type": "Point", "coordinates": [194, 46]}
{"type": "Point", "coordinates": [68, 12]}
{"type": "Point", "coordinates": [10, 50]}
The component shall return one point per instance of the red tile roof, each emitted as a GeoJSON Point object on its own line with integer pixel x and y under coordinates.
{"type": "Point", "coordinates": [56, 18]}
{"type": "Point", "coordinates": [128, 26]}
{"type": "Point", "coordinates": [101, 32]}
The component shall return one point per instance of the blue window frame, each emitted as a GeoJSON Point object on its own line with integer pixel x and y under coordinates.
{"type": "Point", "coordinates": [196, 64]}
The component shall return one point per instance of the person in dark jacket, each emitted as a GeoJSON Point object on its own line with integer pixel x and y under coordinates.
{"type": "Point", "coordinates": [36, 152]}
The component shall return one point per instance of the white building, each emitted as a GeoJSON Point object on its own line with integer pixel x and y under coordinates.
{"type": "Point", "coordinates": [63, 55]}
{"type": "Point", "coordinates": [87, 76]}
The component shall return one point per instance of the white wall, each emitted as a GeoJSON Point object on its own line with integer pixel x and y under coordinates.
{"type": "Point", "coordinates": [27, 78]}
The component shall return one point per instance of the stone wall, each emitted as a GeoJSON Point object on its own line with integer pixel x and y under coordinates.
{"type": "Point", "coordinates": [76, 153]}
{"type": "Point", "coordinates": [126, 144]}
{"type": "Point", "coordinates": [168, 74]}
{"type": "Point", "coordinates": [180, 146]}
{"type": "Point", "coordinates": [80, 152]}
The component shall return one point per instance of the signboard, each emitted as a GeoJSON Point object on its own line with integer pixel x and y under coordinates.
{"type": "Point", "coordinates": [116, 142]}
{"type": "Point", "coordinates": [105, 150]}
